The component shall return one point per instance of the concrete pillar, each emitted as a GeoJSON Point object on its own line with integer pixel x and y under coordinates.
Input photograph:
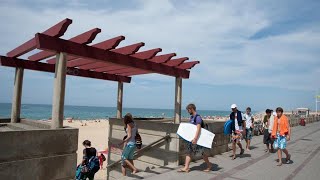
{"type": "Point", "coordinates": [177, 100]}
{"type": "Point", "coordinates": [59, 91]}
{"type": "Point", "coordinates": [17, 94]}
{"type": "Point", "coordinates": [119, 100]}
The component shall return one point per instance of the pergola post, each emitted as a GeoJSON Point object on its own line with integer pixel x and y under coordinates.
{"type": "Point", "coordinates": [119, 100]}
{"type": "Point", "coordinates": [178, 97]}
{"type": "Point", "coordinates": [59, 91]}
{"type": "Point", "coordinates": [17, 94]}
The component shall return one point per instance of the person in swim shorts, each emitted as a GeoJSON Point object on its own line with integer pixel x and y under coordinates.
{"type": "Point", "coordinates": [281, 132]}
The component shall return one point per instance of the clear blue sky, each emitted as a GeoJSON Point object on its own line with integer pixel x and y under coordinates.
{"type": "Point", "coordinates": [262, 53]}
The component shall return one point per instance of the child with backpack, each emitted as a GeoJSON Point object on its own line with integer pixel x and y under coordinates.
{"type": "Point", "coordinates": [90, 163]}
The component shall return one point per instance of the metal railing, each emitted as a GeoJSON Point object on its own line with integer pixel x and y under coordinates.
{"type": "Point", "coordinates": [139, 152]}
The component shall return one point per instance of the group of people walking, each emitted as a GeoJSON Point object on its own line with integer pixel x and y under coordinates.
{"type": "Point", "coordinates": [276, 134]}
{"type": "Point", "coordinates": [276, 126]}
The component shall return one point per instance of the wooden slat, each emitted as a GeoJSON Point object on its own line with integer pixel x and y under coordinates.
{"type": "Point", "coordinates": [163, 58]}
{"type": "Point", "coordinates": [147, 54]}
{"type": "Point", "coordinates": [84, 38]}
{"type": "Point", "coordinates": [57, 30]}
{"type": "Point", "coordinates": [48, 43]}
{"type": "Point", "coordinates": [90, 64]}
{"type": "Point", "coordinates": [106, 45]}
{"type": "Point", "coordinates": [38, 66]}
{"type": "Point", "coordinates": [188, 65]}
{"type": "Point", "coordinates": [176, 62]}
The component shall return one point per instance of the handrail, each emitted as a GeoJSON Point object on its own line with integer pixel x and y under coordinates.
{"type": "Point", "coordinates": [142, 149]}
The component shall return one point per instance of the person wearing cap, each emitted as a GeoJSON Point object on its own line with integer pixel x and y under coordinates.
{"type": "Point", "coordinates": [268, 126]}
{"type": "Point", "coordinates": [237, 129]}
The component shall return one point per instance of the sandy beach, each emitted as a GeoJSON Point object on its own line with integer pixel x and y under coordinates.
{"type": "Point", "coordinates": [94, 131]}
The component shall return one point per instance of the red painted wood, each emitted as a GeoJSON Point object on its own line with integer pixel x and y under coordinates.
{"type": "Point", "coordinates": [157, 59]}
{"type": "Point", "coordinates": [133, 73]}
{"type": "Point", "coordinates": [110, 43]}
{"type": "Point", "coordinates": [108, 68]}
{"type": "Point", "coordinates": [126, 50]}
{"type": "Point", "coordinates": [84, 38]}
{"type": "Point", "coordinates": [106, 45]}
{"type": "Point", "coordinates": [57, 31]}
{"type": "Point", "coordinates": [163, 58]}
{"type": "Point", "coordinates": [131, 49]}
{"type": "Point", "coordinates": [48, 43]}
{"type": "Point", "coordinates": [38, 66]}
{"type": "Point", "coordinates": [147, 54]}
{"type": "Point", "coordinates": [188, 65]}
{"type": "Point", "coordinates": [176, 62]}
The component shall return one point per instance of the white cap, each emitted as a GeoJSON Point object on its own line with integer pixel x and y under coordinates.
{"type": "Point", "coordinates": [233, 106]}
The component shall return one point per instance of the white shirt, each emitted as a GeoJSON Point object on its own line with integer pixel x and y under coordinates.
{"type": "Point", "coordinates": [271, 122]}
{"type": "Point", "coordinates": [237, 127]}
{"type": "Point", "coordinates": [248, 119]}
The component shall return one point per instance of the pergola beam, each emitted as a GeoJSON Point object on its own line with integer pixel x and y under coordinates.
{"type": "Point", "coordinates": [39, 66]}
{"type": "Point", "coordinates": [91, 64]}
{"type": "Point", "coordinates": [45, 42]}
{"type": "Point", "coordinates": [188, 65]}
{"type": "Point", "coordinates": [84, 38]}
{"type": "Point", "coordinates": [106, 45]}
{"type": "Point", "coordinates": [176, 62]}
{"type": "Point", "coordinates": [57, 30]}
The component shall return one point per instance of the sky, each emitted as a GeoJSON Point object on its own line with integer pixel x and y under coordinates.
{"type": "Point", "coordinates": [262, 53]}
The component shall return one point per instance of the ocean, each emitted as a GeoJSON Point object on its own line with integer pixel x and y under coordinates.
{"type": "Point", "coordinates": [39, 111]}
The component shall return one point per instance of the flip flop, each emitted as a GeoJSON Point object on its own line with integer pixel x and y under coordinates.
{"type": "Point", "coordinates": [288, 158]}
{"type": "Point", "coordinates": [242, 151]}
{"type": "Point", "coordinates": [233, 158]}
{"type": "Point", "coordinates": [279, 164]}
{"type": "Point", "coordinates": [207, 170]}
{"type": "Point", "coordinates": [183, 171]}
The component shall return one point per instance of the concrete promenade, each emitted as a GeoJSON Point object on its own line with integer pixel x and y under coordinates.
{"type": "Point", "coordinates": [304, 148]}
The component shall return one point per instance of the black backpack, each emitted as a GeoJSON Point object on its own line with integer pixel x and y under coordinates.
{"type": "Point", "coordinates": [203, 124]}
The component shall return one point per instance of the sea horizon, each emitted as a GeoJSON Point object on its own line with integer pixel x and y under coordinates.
{"type": "Point", "coordinates": [43, 112]}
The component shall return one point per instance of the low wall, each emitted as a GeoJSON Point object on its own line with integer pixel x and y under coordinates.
{"type": "Point", "coordinates": [170, 152]}
{"type": "Point", "coordinates": [38, 154]}
{"type": "Point", "coordinates": [295, 120]}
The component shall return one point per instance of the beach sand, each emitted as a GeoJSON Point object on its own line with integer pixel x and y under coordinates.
{"type": "Point", "coordinates": [96, 132]}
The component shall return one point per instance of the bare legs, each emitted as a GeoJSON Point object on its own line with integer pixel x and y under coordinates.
{"type": "Point", "coordinates": [187, 163]}
{"type": "Point", "coordinates": [188, 160]}
{"type": "Point", "coordinates": [248, 144]}
{"type": "Point", "coordinates": [130, 165]}
{"type": "Point", "coordinates": [234, 149]}
{"type": "Point", "coordinates": [280, 156]}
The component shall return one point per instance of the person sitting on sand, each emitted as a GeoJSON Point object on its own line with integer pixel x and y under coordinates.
{"type": "Point", "coordinates": [130, 145]}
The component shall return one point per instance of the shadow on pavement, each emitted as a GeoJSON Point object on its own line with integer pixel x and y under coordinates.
{"type": "Point", "coordinates": [203, 166]}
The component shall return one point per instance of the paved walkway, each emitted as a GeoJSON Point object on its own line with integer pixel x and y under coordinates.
{"type": "Point", "coordinates": [256, 164]}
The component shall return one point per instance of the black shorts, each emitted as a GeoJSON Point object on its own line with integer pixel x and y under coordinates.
{"type": "Point", "coordinates": [267, 137]}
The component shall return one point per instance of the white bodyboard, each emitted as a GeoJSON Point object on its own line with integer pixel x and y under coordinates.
{"type": "Point", "coordinates": [187, 132]}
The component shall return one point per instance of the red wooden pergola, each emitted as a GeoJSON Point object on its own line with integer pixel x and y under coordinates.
{"type": "Point", "coordinates": [102, 60]}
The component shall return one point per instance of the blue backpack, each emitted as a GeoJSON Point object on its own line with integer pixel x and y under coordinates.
{"type": "Point", "coordinates": [227, 129]}
{"type": "Point", "coordinates": [93, 164]}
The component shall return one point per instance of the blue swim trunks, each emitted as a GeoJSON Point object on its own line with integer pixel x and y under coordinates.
{"type": "Point", "coordinates": [128, 153]}
{"type": "Point", "coordinates": [248, 134]}
{"type": "Point", "coordinates": [280, 142]}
